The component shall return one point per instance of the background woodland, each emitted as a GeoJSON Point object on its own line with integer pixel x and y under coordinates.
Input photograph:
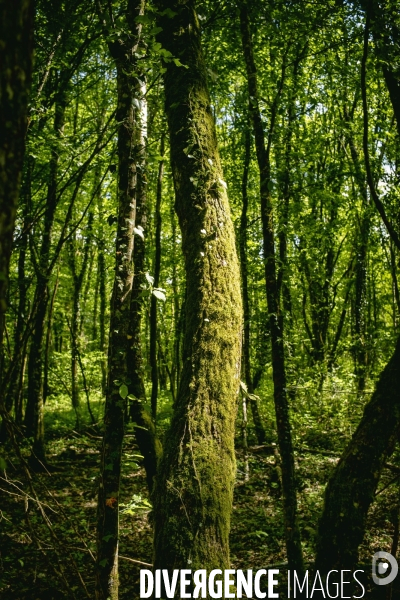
{"type": "Point", "coordinates": [110, 158]}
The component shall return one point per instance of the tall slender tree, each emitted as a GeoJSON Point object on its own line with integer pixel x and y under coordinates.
{"type": "Point", "coordinates": [123, 46]}
{"type": "Point", "coordinates": [292, 533]}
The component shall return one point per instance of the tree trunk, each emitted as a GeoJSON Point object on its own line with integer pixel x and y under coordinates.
{"type": "Point", "coordinates": [13, 394]}
{"type": "Point", "coordinates": [351, 489]}
{"type": "Point", "coordinates": [153, 301]}
{"type": "Point", "coordinates": [144, 427]}
{"type": "Point", "coordinates": [362, 240]}
{"type": "Point", "coordinates": [117, 390]}
{"type": "Point", "coordinates": [78, 275]}
{"type": "Point", "coordinates": [34, 410]}
{"type": "Point", "coordinates": [16, 42]}
{"type": "Point", "coordinates": [259, 428]}
{"type": "Point", "coordinates": [48, 341]}
{"type": "Point", "coordinates": [384, 25]}
{"type": "Point", "coordinates": [360, 302]}
{"type": "Point", "coordinates": [178, 310]}
{"type": "Point", "coordinates": [101, 266]}
{"type": "Point", "coordinates": [193, 493]}
{"type": "Point", "coordinates": [124, 54]}
{"type": "Point", "coordinates": [134, 357]}
{"type": "Point", "coordinates": [292, 533]}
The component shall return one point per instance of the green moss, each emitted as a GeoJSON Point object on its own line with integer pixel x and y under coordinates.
{"type": "Point", "coordinates": [193, 495]}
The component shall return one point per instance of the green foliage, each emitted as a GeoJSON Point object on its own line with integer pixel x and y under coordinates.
{"type": "Point", "coordinates": [308, 59]}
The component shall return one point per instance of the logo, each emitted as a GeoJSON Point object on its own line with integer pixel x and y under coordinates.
{"type": "Point", "coordinates": [384, 568]}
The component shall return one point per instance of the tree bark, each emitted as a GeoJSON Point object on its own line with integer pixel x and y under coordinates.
{"type": "Point", "coordinates": [193, 493]}
{"type": "Point", "coordinates": [153, 301]}
{"type": "Point", "coordinates": [13, 391]}
{"type": "Point", "coordinates": [144, 424]}
{"type": "Point", "coordinates": [101, 266]}
{"type": "Point", "coordinates": [351, 489]}
{"type": "Point", "coordinates": [123, 51]}
{"type": "Point", "coordinates": [16, 43]}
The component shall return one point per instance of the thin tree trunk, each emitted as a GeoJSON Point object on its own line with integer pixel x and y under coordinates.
{"type": "Point", "coordinates": [193, 493]}
{"type": "Point", "coordinates": [128, 117]}
{"type": "Point", "coordinates": [178, 311]}
{"type": "Point", "coordinates": [292, 533]}
{"type": "Point", "coordinates": [34, 410]}
{"type": "Point", "coordinates": [117, 390]}
{"type": "Point", "coordinates": [13, 395]}
{"type": "Point", "coordinates": [144, 426]}
{"type": "Point", "coordinates": [362, 240]}
{"type": "Point", "coordinates": [101, 266]}
{"type": "Point", "coordinates": [360, 302]}
{"type": "Point", "coordinates": [134, 357]}
{"type": "Point", "coordinates": [78, 276]}
{"type": "Point", "coordinates": [259, 428]}
{"type": "Point", "coordinates": [153, 301]}
{"type": "Point", "coordinates": [48, 340]}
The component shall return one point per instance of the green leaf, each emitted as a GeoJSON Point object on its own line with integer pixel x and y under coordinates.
{"type": "Point", "coordinates": [179, 64]}
{"type": "Point", "coordinates": [103, 562]}
{"type": "Point", "coordinates": [261, 534]}
{"type": "Point", "coordinates": [123, 391]}
{"type": "Point", "coordinates": [107, 538]}
{"type": "Point", "coordinates": [168, 13]}
{"type": "Point", "coordinates": [143, 19]}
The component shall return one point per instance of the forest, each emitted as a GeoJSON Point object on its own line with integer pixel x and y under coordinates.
{"type": "Point", "coordinates": [199, 294]}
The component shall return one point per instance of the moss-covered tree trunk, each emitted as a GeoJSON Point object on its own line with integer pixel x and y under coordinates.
{"type": "Point", "coordinates": [351, 489]}
{"type": "Point", "coordinates": [292, 533]}
{"type": "Point", "coordinates": [16, 51]}
{"type": "Point", "coordinates": [193, 494]}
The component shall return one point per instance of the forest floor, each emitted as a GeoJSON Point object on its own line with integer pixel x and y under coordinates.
{"type": "Point", "coordinates": [53, 558]}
